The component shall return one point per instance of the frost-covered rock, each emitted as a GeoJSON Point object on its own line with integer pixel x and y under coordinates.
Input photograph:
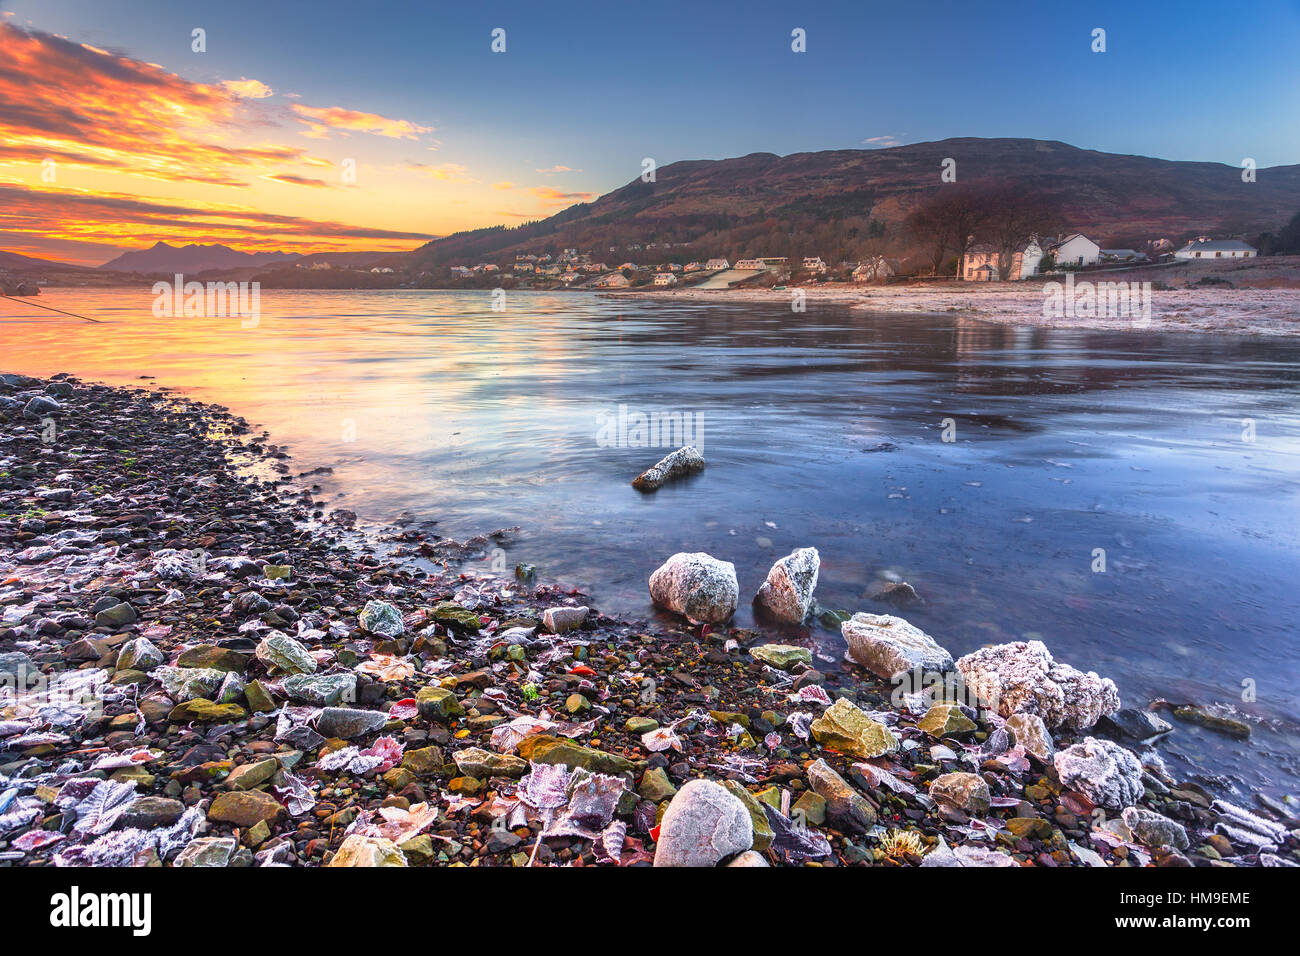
{"type": "Point", "coordinates": [749, 858]}
{"type": "Point", "coordinates": [1022, 676]}
{"type": "Point", "coordinates": [697, 586]}
{"type": "Point", "coordinates": [888, 646]}
{"type": "Point", "coordinates": [557, 620]}
{"type": "Point", "coordinates": [1102, 771]}
{"type": "Point", "coordinates": [1029, 731]}
{"type": "Point", "coordinates": [139, 654]}
{"type": "Point", "coordinates": [965, 791]}
{"type": "Point", "coordinates": [1154, 829]}
{"type": "Point", "coordinates": [380, 617]}
{"type": "Point", "coordinates": [284, 654]}
{"type": "Point", "coordinates": [788, 591]}
{"type": "Point", "coordinates": [845, 727]}
{"type": "Point", "coordinates": [321, 690]}
{"type": "Point", "coordinates": [188, 683]}
{"type": "Point", "coordinates": [360, 850]}
{"type": "Point", "coordinates": [349, 722]}
{"type": "Point", "coordinates": [702, 825]}
{"type": "Point", "coordinates": [967, 854]}
{"type": "Point", "coordinates": [207, 851]}
{"type": "Point", "coordinates": [846, 809]}
{"type": "Point", "coordinates": [684, 461]}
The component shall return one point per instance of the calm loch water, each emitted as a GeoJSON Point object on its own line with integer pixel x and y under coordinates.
{"type": "Point", "coordinates": [823, 429]}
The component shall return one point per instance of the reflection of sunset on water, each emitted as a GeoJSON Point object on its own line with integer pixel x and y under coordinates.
{"type": "Point", "coordinates": [434, 405]}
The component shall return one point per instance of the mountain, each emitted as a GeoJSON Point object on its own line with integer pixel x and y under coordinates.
{"type": "Point", "coordinates": [161, 257]}
{"type": "Point", "coordinates": [13, 262]}
{"type": "Point", "coordinates": [836, 201]}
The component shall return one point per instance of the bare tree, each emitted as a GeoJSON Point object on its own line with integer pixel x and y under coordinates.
{"type": "Point", "coordinates": [948, 220]}
{"type": "Point", "coordinates": [1011, 216]}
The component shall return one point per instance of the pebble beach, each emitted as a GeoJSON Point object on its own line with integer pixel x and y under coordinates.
{"type": "Point", "coordinates": [204, 666]}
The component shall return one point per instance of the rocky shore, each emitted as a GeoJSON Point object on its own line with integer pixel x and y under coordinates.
{"type": "Point", "coordinates": [198, 667]}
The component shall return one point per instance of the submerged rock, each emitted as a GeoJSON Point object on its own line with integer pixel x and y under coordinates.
{"type": "Point", "coordinates": [787, 594]}
{"type": "Point", "coordinates": [696, 585]}
{"type": "Point", "coordinates": [703, 825]}
{"type": "Point", "coordinates": [480, 763]}
{"type": "Point", "coordinates": [1022, 676]}
{"type": "Point", "coordinates": [749, 858]}
{"type": "Point", "coordinates": [684, 461]}
{"type": "Point", "coordinates": [898, 593]}
{"type": "Point", "coordinates": [1136, 724]}
{"type": "Point", "coordinates": [889, 646]}
{"type": "Point", "coordinates": [1102, 771]}
{"type": "Point", "coordinates": [1216, 722]}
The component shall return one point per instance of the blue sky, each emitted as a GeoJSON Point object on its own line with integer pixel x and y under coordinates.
{"type": "Point", "coordinates": [595, 87]}
{"type": "Point", "coordinates": [602, 84]}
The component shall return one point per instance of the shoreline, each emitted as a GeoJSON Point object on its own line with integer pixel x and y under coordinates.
{"type": "Point", "coordinates": [1259, 312]}
{"type": "Point", "coordinates": [141, 552]}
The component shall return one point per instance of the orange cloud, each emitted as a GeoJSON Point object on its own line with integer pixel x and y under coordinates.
{"type": "Point", "coordinates": [321, 120]}
{"type": "Point", "coordinates": [108, 116]}
{"type": "Point", "coordinates": [248, 89]}
{"type": "Point", "coordinates": [448, 172]}
{"type": "Point", "coordinates": [553, 197]}
{"type": "Point", "coordinates": [84, 106]}
{"type": "Point", "coordinates": [290, 180]}
{"type": "Point", "coordinates": [88, 217]}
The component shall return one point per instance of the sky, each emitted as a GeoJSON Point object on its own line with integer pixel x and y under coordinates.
{"type": "Point", "coordinates": [327, 125]}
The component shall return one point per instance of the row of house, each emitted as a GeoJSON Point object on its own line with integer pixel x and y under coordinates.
{"type": "Point", "coordinates": [982, 262]}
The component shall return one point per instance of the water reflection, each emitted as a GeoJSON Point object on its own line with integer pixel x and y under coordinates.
{"type": "Point", "coordinates": [824, 428]}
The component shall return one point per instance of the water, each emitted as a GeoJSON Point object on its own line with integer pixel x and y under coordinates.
{"type": "Point", "coordinates": [821, 429]}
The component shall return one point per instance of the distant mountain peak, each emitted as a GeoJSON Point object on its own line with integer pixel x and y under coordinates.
{"type": "Point", "coordinates": [192, 258]}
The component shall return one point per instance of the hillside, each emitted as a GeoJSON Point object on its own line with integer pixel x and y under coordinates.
{"type": "Point", "coordinates": [26, 265]}
{"type": "Point", "coordinates": [846, 200]}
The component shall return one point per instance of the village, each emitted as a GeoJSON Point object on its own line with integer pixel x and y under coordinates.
{"type": "Point", "coordinates": [982, 262]}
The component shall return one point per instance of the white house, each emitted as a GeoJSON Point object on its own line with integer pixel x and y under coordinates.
{"type": "Point", "coordinates": [875, 269]}
{"type": "Point", "coordinates": [750, 264]}
{"type": "Point", "coordinates": [665, 278]}
{"type": "Point", "coordinates": [1203, 247]}
{"type": "Point", "coordinates": [717, 265]}
{"type": "Point", "coordinates": [814, 264]}
{"type": "Point", "coordinates": [1076, 250]}
{"type": "Point", "coordinates": [982, 263]}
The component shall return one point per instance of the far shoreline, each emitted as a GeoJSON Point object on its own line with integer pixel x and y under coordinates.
{"type": "Point", "coordinates": [1205, 310]}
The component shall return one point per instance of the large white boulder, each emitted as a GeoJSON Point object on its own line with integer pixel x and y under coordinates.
{"type": "Point", "coordinates": [703, 825]}
{"type": "Point", "coordinates": [1102, 771]}
{"type": "Point", "coordinates": [788, 591]}
{"type": "Point", "coordinates": [888, 646]}
{"type": "Point", "coordinates": [1022, 676]}
{"type": "Point", "coordinates": [697, 586]}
